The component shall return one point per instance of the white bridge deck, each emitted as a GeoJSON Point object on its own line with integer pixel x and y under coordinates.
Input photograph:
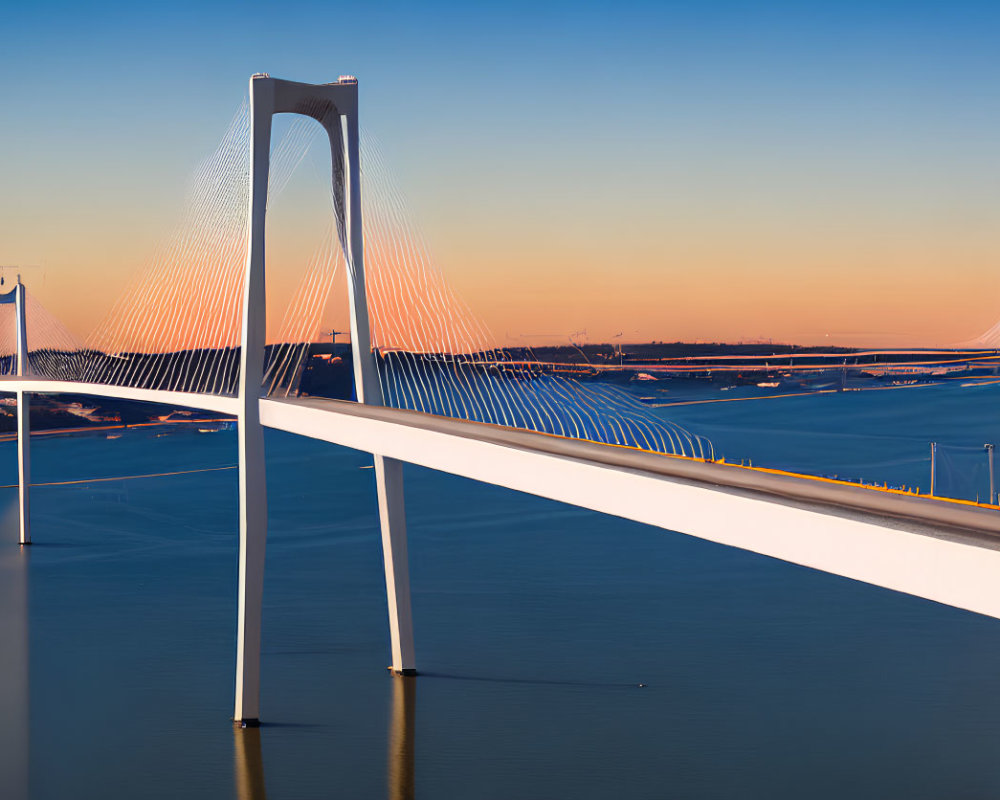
{"type": "Point", "coordinates": [943, 551]}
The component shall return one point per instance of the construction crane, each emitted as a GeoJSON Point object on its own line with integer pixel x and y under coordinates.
{"type": "Point", "coordinates": [332, 334]}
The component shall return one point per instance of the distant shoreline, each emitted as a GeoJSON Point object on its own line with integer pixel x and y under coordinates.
{"type": "Point", "coordinates": [12, 437]}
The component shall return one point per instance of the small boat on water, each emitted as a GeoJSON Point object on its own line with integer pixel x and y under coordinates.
{"type": "Point", "coordinates": [114, 436]}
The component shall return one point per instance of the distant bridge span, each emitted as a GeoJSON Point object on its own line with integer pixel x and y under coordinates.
{"type": "Point", "coordinates": [944, 551]}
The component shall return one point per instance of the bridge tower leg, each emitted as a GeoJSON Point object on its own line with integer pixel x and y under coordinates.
{"type": "Point", "coordinates": [24, 464]}
{"type": "Point", "coordinates": [392, 519]}
{"type": "Point", "coordinates": [252, 475]}
{"type": "Point", "coordinates": [23, 418]}
{"type": "Point", "coordinates": [388, 471]}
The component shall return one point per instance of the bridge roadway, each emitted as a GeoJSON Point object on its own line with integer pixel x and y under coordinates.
{"type": "Point", "coordinates": [940, 550]}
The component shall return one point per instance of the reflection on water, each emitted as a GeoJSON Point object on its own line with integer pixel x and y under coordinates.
{"type": "Point", "coordinates": [249, 764]}
{"type": "Point", "coordinates": [404, 703]}
{"type": "Point", "coordinates": [249, 761]}
{"type": "Point", "coordinates": [14, 671]}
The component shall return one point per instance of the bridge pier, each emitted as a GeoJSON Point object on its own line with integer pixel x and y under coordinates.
{"type": "Point", "coordinates": [392, 519]}
{"type": "Point", "coordinates": [23, 415]}
{"type": "Point", "coordinates": [24, 464]}
{"type": "Point", "coordinates": [253, 542]}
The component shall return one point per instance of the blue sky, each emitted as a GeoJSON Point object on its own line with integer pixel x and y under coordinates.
{"type": "Point", "coordinates": [557, 143]}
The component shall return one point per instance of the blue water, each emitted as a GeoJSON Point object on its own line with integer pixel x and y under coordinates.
{"type": "Point", "coordinates": [535, 625]}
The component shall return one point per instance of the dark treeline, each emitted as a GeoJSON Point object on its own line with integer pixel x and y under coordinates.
{"type": "Point", "coordinates": [326, 370]}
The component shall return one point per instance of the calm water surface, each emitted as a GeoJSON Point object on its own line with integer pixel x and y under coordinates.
{"type": "Point", "coordinates": [535, 625]}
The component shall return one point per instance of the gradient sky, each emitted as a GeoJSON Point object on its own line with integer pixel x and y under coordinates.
{"type": "Point", "coordinates": [810, 172]}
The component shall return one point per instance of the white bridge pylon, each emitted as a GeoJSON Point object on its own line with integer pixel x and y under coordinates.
{"type": "Point", "coordinates": [16, 296]}
{"type": "Point", "coordinates": [335, 107]}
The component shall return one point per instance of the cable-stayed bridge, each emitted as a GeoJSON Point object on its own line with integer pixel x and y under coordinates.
{"type": "Point", "coordinates": [432, 389]}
